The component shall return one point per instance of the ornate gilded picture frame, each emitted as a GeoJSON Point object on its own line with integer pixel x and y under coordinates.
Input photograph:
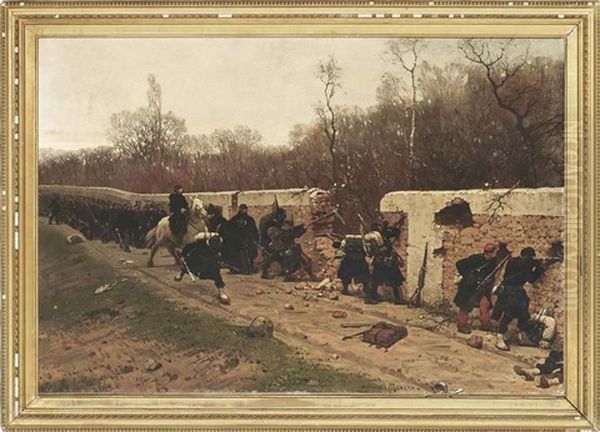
{"type": "Point", "coordinates": [55, 54]}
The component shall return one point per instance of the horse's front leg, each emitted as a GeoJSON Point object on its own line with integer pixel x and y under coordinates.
{"type": "Point", "coordinates": [176, 255]}
{"type": "Point", "coordinates": [152, 253]}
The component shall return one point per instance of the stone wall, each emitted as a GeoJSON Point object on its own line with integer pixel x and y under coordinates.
{"type": "Point", "coordinates": [455, 224]}
{"type": "Point", "coordinates": [302, 205]}
{"type": "Point", "coordinates": [543, 233]}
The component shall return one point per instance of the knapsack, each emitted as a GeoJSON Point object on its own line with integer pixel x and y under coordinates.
{"type": "Point", "coordinates": [382, 335]}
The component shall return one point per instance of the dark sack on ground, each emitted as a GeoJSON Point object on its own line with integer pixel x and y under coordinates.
{"type": "Point", "coordinates": [384, 335]}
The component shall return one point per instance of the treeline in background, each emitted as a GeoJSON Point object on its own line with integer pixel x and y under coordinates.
{"type": "Point", "coordinates": [494, 119]}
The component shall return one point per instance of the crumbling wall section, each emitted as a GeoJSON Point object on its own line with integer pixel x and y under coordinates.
{"type": "Point", "coordinates": [451, 229]}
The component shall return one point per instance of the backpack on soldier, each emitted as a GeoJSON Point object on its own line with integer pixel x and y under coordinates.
{"type": "Point", "coordinates": [382, 335]}
{"type": "Point", "coordinates": [354, 246]}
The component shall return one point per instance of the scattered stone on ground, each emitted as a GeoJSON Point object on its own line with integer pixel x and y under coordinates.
{"type": "Point", "coordinates": [261, 327]}
{"type": "Point", "coordinates": [334, 296]}
{"type": "Point", "coordinates": [288, 306]}
{"type": "Point", "coordinates": [151, 365]}
{"type": "Point", "coordinates": [74, 239]}
{"type": "Point", "coordinates": [126, 369]}
{"type": "Point", "coordinates": [475, 342]}
{"type": "Point", "coordinates": [324, 284]}
{"type": "Point", "coordinates": [339, 314]}
{"type": "Point", "coordinates": [335, 356]}
{"type": "Point", "coordinates": [103, 288]}
{"type": "Point", "coordinates": [259, 291]}
{"type": "Point", "coordinates": [289, 291]}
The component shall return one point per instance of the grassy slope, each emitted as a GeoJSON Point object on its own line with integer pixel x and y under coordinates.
{"type": "Point", "coordinates": [67, 283]}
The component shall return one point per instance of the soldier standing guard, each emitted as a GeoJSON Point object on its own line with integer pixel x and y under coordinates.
{"type": "Point", "coordinates": [244, 240]}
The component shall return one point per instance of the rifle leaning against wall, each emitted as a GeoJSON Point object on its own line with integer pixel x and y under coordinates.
{"type": "Point", "coordinates": [415, 299]}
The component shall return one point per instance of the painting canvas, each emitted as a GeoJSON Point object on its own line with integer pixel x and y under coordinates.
{"type": "Point", "coordinates": [321, 215]}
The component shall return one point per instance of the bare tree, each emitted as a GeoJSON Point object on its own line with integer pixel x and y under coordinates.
{"type": "Point", "coordinates": [519, 92]}
{"type": "Point", "coordinates": [329, 74]}
{"type": "Point", "coordinates": [406, 53]}
{"type": "Point", "coordinates": [148, 134]}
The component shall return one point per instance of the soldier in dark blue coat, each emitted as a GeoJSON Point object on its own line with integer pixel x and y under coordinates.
{"type": "Point", "coordinates": [179, 208]}
{"type": "Point", "coordinates": [512, 299]}
{"type": "Point", "coordinates": [354, 266]}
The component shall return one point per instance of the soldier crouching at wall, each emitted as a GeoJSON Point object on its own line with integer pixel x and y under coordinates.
{"type": "Point", "coordinates": [512, 299]}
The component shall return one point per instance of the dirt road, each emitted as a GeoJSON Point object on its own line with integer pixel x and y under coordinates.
{"type": "Point", "coordinates": [428, 354]}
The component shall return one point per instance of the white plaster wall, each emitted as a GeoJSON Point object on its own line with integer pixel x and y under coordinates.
{"type": "Point", "coordinates": [422, 205]}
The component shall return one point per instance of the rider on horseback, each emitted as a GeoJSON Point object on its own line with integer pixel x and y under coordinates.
{"type": "Point", "coordinates": [180, 209]}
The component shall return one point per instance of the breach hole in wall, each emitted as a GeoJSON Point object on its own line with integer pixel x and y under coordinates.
{"type": "Point", "coordinates": [456, 213]}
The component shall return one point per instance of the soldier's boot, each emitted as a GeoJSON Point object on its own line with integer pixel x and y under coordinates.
{"type": "Point", "coordinates": [399, 297]}
{"type": "Point", "coordinates": [344, 290]}
{"type": "Point", "coordinates": [179, 276]}
{"type": "Point", "coordinates": [265, 273]}
{"type": "Point", "coordinates": [464, 328]}
{"type": "Point", "coordinates": [371, 300]}
{"type": "Point", "coordinates": [527, 374]}
{"type": "Point", "coordinates": [546, 382]}
{"type": "Point", "coordinates": [501, 343]}
{"type": "Point", "coordinates": [524, 340]}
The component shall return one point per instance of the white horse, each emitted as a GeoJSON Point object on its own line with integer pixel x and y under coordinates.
{"type": "Point", "coordinates": [161, 235]}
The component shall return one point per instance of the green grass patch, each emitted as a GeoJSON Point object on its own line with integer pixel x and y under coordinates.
{"type": "Point", "coordinates": [69, 299]}
{"type": "Point", "coordinates": [70, 385]}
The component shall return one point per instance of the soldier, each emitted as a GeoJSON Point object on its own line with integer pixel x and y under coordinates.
{"type": "Point", "coordinates": [512, 299]}
{"type": "Point", "coordinates": [202, 258]}
{"type": "Point", "coordinates": [550, 372]}
{"type": "Point", "coordinates": [474, 271]}
{"type": "Point", "coordinates": [179, 208]}
{"type": "Point", "coordinates": [386, 262]}
{"type": "Point", "coordinates": [283, 249]}
{"type": "Point", "coordinates": [55, 208]}
{"type": "Point", "coordinates": [243, 240]}
{"type": "Point", "coordinates": [354, 266]}
{"type": "Point", "coordinates": [275, 219]}
{"type": "Point", "coordinates": [216, 221]}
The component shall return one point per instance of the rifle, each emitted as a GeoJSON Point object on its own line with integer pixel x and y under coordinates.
{"type": "Point", "coordinates": [547, 262]}
{"type": "Point", "coordinates": [362, 233]}
{"type": "Point", "coordinates": [187, 268]}
{"type": "Point", "coordinates": [484, 282]}
{"type": "Point", "coordinates": [325, 216]}
{"type": "Point", "coordinates": [415, 299]}
{"type": "Point", "coordinates": [227, 266]}
{"type": "Point", "coordinates": [355, 334]}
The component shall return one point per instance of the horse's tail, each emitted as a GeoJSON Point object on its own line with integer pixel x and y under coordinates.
{"type": "Point", "coordinates": [150, 238]}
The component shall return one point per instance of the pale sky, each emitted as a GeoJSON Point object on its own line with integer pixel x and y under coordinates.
{"type": "Point", "coordinates": [268, 84]}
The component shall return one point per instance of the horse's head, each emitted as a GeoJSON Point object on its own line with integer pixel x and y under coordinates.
{"type": "Point", "coordinates": [197, 209]}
